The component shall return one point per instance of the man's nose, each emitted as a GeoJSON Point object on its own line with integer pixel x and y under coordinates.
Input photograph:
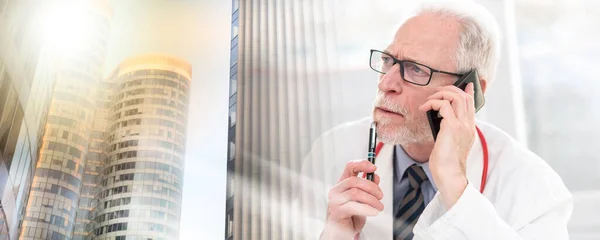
{"type": "Point", "coordinates": [392, 81]}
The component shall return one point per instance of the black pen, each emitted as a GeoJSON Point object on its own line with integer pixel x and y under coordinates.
{"type": "Point", "coordinates": [372, 145]}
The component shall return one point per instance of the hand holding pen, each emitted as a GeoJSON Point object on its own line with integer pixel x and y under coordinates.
{"type": "Point", "coordinates": [354, 198]}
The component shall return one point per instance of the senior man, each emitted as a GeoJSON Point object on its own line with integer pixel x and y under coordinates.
{"type": "Point", "coordinates": [426, 189]}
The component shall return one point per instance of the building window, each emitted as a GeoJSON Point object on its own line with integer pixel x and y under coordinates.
{"type": "Point", "coordinates": [235, 28]}
{"type": "Point", "coordinates": [231, 150]}
{"type": "Point", "coordinates": [235, 41]}
{"type": "Point", "coordinates": [71, 164]}
{"type": "Point", "coordinates": [230, 224]}
{"type": "Point", "coordinates": [116, 227]}
{"type": "Point", "coordinates": [233, 100]}
{"type": "Point", "coordinates": [65, 192]}
{"type": "Point", "coordinates": [232, 115]}
{"type": "Point", "coordinates": [75, 152]}
{"type": "Point", "coordinates": [236, 15]}
{"type": "Point", "coordinates": [234, 56]}
{"type": "Point", "coordinates": [233, 85]}
{"type": "Point", "coordinates": [233, 70]}
{"type": "Point", "coordinates": [236, 5]}
{"type": "Point", "coordinates": [231, 185]}
{"type": "Point", "coordinates": [126, 177]}
{"type": "Point", "coordinates": [53, 132]}
{"type": "Point", "coordinates": [57, 221]}
{"type": "Point", "coordinates": [10, 134]}
{"type": "Point", "coordinates": [56, 236]}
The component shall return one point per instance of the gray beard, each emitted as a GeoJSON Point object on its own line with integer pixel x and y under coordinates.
{"type": "Point", "coordinates": [414, 130]}
{"type": "Point", "coordinates": [405, 134]}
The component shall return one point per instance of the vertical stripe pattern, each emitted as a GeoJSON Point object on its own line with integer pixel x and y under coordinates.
{"type": "Point", "coordinates": [412, 205]}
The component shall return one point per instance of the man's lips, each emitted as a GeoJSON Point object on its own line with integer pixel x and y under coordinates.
{"type": "Point", "coordinates": [386, 111]}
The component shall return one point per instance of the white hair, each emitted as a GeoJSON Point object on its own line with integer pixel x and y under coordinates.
{"type": "Point", "coordinates": [479, 43]}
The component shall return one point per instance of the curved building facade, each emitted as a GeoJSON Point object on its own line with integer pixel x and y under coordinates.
{"type": "Point", "coordinates": [141, 183]}
{"type": "Point", "coordinates": [26, 84]}
{"type": "Point", "coordinates": [55, 191]}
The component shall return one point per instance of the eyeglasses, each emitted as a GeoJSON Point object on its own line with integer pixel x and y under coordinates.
{"type": "Point", "coordinates": [410, 71]}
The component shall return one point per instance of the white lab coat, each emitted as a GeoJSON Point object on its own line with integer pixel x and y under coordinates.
{"type": "Point", "coordinates": [523, 198]}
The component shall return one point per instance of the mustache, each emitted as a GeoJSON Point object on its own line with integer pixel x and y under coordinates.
{"type": "Point", "coordinates": [386, 103]}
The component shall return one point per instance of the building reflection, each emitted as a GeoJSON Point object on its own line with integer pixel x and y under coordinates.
{"type": "Point", "coordinates": [57, 186]}
{"type": "Point", "coordinates": [141, 183]}
{"type": "Point", "coordinates": [26, 85]}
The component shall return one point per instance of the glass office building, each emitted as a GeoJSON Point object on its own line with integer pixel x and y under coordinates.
{"type": "Point", "coordinates": [233, 80]}
{"type": "Point", "coordinates": [26, 84]}
{"type": "Point", "coordinates": [83, 229]}
{"type": "Point", "coordinates": [55, 192]}
{"type": "Point", "coordinates": [84, 221]}
{"type": "Point", "coordinates": [141, 182]}
{"type": "Point", "coordinates": [280, 101]}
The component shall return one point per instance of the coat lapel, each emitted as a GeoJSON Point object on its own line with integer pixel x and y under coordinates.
{"type": "Point", "coordinates": [381, 226]}
{"type": "Point", "coordinates": [435, 209]}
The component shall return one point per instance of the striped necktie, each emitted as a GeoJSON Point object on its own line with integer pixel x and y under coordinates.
{"type": "Point", "coordinates": [412, 204]}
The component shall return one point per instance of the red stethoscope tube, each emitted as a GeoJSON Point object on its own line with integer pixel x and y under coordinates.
{"type": "Point", "coordinates": [485, 158]}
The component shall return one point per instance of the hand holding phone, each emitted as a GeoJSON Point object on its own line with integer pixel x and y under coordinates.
{"type": "Point", "coordinates": [471, 77]}
{"type": "Point", "coordinates": [447, 162]}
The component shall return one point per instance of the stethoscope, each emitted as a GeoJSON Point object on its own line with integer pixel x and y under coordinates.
{"type": "Point", "coordinates": [485, 157]}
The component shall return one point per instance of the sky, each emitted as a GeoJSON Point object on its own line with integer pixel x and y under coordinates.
{"type": "Point", "coordinates": [199, 32]}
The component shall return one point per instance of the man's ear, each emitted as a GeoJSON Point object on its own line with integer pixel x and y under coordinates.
{"type": "Point", "coordinates": [483, 82]}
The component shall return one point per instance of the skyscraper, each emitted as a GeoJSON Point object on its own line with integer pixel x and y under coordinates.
{"type": "Point", "coordinates": [26, 84]}
{"type": "Point", "coordinates": [232, 121]}
{"type": "Point", "coordinates": [141, 182]}
{"type": "Point", "coordinates": [95, 154]}
{"type": "Point", "coordinates": [84, 222]}
{"type": "Point", "coordinates": [279, 103]}
{"type": "Point", "coordinates": [54, 198]}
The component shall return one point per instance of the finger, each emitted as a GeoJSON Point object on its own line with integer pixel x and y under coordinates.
{"type": "Point", "coordinates": [443, 106]}
{"type": "Point", "coordinates": [350, 209]}
{"type": "Point", "coordinates": [468, 95]}
{"type": "Point", "coordinates": [457, 100]}
{"type": "Point", "coordinates": [376, 179]}
{"type": "Point", "coordinates": [453, 88]}
{"type": "Point", "coordinates": [360, 183]}
{"type": "Point", "coordinates": [470, 89]}
{"type": "Point", "coordinates": [356, 195]}
{"type": "Point", "coordinates": [356, 166]}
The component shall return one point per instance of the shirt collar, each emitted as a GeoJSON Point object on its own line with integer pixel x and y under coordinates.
{"type": "Point", "coordinates": [403, 162]}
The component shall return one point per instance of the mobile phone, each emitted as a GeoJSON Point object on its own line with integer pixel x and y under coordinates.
{"type": "Point", "coordinates": [471, 77]}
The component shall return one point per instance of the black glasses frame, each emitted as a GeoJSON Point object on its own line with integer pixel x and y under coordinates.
{"type": "Point", "coordinates": [401, 64]}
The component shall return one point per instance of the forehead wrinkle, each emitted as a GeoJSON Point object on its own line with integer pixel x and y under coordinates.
{"type": "Point", "coordinates": [408, 52]}
{"type": "Point", "coordinates": [427, 39]}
